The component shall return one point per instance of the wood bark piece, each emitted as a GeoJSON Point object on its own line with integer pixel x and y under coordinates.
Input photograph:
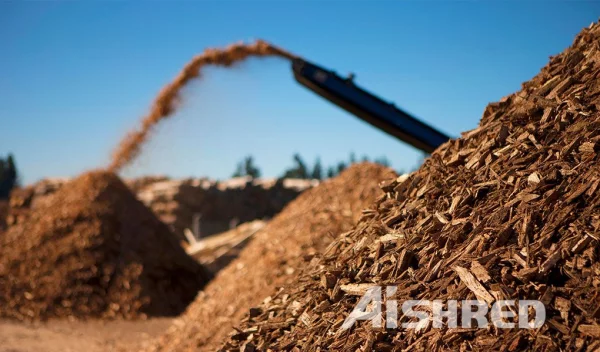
{"type": "Point", "coordinates": [475, 286]}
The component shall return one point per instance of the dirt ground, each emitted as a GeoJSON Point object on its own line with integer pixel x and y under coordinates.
{"type": "Point", "coordinates": [76, 336]}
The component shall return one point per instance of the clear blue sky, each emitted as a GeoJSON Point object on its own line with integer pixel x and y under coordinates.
{"type": "Point", "coordinates": [74, 76]}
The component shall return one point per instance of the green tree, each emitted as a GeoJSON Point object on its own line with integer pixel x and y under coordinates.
{"type": "Point", "coordinates": [8, 176]}
{"type": "Point", "coordinates": [250, 169]}
{"type": "Point", "coordinates": [317, 172]}
{"type": "Point", "coordinates": [246, 167]}
{"type": "Point", "coordinates": [341, 166]}
{"type": "Point", "coordinates": [352, 158]}
{"type": "Point", "coordinates": [239, 170]}
{"type": "Point", "coordinates": [299, 170]}
{"type": "Point", "coordinates": [330, 172]}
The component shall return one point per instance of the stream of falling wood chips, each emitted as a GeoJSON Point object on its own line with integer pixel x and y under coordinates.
{"type": "Point", "coordinates": [165, 103]}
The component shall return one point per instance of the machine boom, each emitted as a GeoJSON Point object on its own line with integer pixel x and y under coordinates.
{"type": "Point", "coordinates": [385, 116]}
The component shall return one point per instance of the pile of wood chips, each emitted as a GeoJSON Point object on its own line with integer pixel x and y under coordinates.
{"type": "Point", "coordinates": [511, 210]}
{"type": "Point", "coordinates": [23, 199]}
{"type": "Point", "coordinates": [91, 249]}
{"type": "Point", "coordinates": [275, 257]}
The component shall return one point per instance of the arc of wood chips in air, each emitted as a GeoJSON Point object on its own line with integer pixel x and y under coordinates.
{"type": "Point", "coordinates": [165, 103]}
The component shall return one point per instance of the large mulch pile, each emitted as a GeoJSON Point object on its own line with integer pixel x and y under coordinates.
{"type": "Point", "coordinates": [93, 250]}
{"type": "Point", "coordinates": [510, 210]}
{"type": "Point", "coordinates": [275, 256]}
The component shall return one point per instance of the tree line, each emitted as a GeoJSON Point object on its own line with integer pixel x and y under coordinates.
{"type": "Point", "coordinates": [300, 169]}
{"type": "Point", "coordinates": [9, 177]}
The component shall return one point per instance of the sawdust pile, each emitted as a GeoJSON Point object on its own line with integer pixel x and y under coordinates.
{"type": "Point", "coordinates": [166, 102]}
{"type": "Point", "coordinates": [511, 210]}
{"type": "Point", "coordinates": [93, 250]}
{"type": "Point", "coordinates": [275, 256]}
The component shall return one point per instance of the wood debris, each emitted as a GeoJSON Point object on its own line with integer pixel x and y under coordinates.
{"type": "Point", "coordinates": [91, 249]}
{"type": "Point", "coordinates": [216, 251]}
{"type": "Point", "coordinates": [276, 256]}
{"type": "Point", "coordinates": [511, 210]}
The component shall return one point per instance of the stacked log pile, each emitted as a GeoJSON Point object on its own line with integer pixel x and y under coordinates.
{"type": "Point", "coordinates": [91, 249]}
{"type": "Point", "coordinates": [138, 184]}
{"type": "Point", "coordinates": [218, 205]}
{"type": "Point", "coordinates": [511, 210]}
{"type": "Point", "coordinates": [217, 251]}
{"type": "Point", "coordinates": [274, 257]}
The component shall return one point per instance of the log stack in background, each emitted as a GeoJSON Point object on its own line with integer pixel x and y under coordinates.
{"type": "Point", "coordinates": [511, 210]}
{"type": "Point", "coordinates": [217, 251]}
{"type": "Point", "coordinates": [218, 204]}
